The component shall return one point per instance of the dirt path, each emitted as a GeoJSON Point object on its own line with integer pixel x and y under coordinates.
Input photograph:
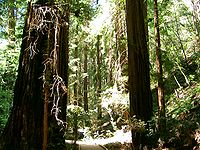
{"type": "Point", "coordinates": [87, 146]}
{"type": "Point", "coordinates": [91, 147]}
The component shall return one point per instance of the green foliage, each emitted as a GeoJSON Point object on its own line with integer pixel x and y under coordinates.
{"type": "Point", "coordinates": [9, 58]}
{"type": "Point", "coordinates": [114, 113]}
{"type": "Point", "coordinates": [180, 67]}
{"type": "Point", "coordinates": [8, 67]}
{"type": "Point", "coordinates": [183, 118]}
{"type": "Point", "coordinates": [83, 9]}
{"type": "Point", "coordinates": [181, 72]}
{"type": "Point", "coordinates": [183, 100]}
{"type": "Point", "coordinates": [182, 130]}
{"type": "Point", "coordinates": [76, 115]}
{"type": "Point", "coordinates": [77, 119]}
{"type": "Point", "coordinates": [5, 106]}
{"type": "Point", "coordinates": [3, 19]}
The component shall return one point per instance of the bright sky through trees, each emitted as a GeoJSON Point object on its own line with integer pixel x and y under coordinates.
{"type": "Point", "coordinates": [103, 18]}
{"type": "Point", "coordinates": [188, 3]}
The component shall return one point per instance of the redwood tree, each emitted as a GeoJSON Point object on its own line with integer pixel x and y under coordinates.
{"type": "Point", "coordinates": [138, 67]}
{"type": "Point", "coordinates": [41, 85]}
{"type": "Point", "coordinates": [160, 88]}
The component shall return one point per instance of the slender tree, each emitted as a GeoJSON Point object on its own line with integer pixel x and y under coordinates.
{"type": "Point", "coordinates": [85, 78]}
{"type": "Point", "coordinates": [11, 23]}
{"type": "Point", "coordinates": [160, 88]}
{"type": "Point", "coordinates": [98, 77]}
{"type": "Point", "coordinates": [138, 67]}
{"type": "Point", "coordinates": [76, 71]}
{"type": "Point", "coordinates": [41, 85]}
{"type": "Point", "coordinates": [110, 64]}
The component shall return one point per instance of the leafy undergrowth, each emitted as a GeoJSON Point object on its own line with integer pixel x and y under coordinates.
{"type": "Point", "coordinates": [118, 146]}
{"type": "Point", "coordinates": [184, 132]}
{"type": "Point", "coordinates": [183, 125]}
{"type": "Point", "coordinates": [183, 119]}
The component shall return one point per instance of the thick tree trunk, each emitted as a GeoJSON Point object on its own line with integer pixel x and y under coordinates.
{"type": "Point", "coordinates": [138, 61]}
{"type": "Point", "coordinates": [160, 90]}
{"type": "Point", "coordinates": [40, 87]}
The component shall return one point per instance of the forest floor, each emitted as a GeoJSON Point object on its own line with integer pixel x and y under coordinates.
{"type": "Point", "coordinates": [119, 137]}
{"type": "Point", "coordinates": [80, 145]}
{"type": "Point", "coordinates": [119, 140]}
{"type": "Point", "coordinates": [91, 147]}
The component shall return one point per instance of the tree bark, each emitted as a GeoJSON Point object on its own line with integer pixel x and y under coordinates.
{"type": "Point", "coordinates": [99, 78]}
{"type": "Point", "coordinates": [121, 50]}
{"type": "Point", "coordinates": [85, 79]}
{"type": "Point", "coordinates": [160, 88]}
{"type": "Point", "coordinates": [41, 83]}
{"type": "Point", "coordinates": [138, 67]}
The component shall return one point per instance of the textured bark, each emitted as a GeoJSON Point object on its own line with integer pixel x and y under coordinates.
{"type": "Point", "coordinates": [42, 64]}
{"type": "Point", "coordinates": [138, 61]}
{"type": "Point", "coordinates": [160, 88]}
{"type": "Point", "coordinates": [45, 117]}
{"type": "Point", "coordinates": [64, 58]}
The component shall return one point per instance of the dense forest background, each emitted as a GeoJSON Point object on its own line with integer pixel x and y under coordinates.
{"type": "Point", "coordinates": [98, 88]}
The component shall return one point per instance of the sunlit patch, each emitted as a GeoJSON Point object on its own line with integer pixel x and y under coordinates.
{"type": "Point", "coordinates": [102, 19]}
{"type": "Point", "coordinates": [119, 137]}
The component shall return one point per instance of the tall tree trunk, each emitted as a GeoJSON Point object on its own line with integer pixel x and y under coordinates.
{"type": "Point", "coordinates": [94, 81]}
{"type": "Point", "coordinates": [118, 70]}
{"type": "Point", "coordinates": [121, 49]}
{"type": "Point", "coordinates": [76, 71]}
{"type": "Point", "coordinates": [99, 78]}
{"type": "Point", "coordinates": [11, 49]}
{"type": "Point", "coordinates": [80, 82]}
{"type": "Point", "coordinates": [138, 67]}
{"type": "Point", "coordinates": [11, 23]}
{"type": "Point", "coordinates": [160, 88]}
{"type": "Point", "coordinates": [110, 64]}
{"type": "Point", "coordinates": [41, 84]}
{"type": "Point", "coordinates": [85, 79]}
